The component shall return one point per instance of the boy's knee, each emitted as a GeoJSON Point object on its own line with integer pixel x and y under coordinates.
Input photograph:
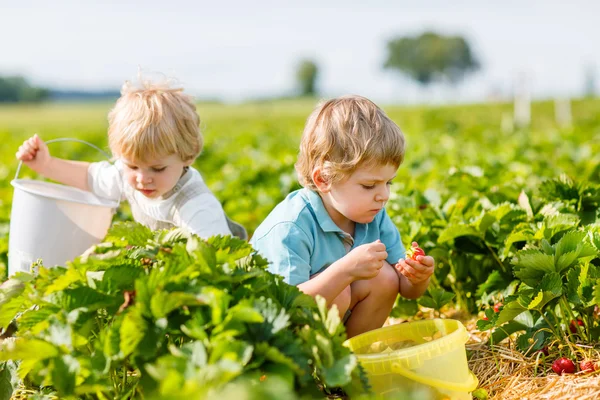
{"type": "Point", "coordinates": [342, 301]}
{"type": "Point", "coordinates": [387, 281]}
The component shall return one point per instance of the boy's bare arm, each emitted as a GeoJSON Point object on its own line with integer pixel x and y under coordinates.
{"type": "Point", "coordinates": [411, 290]}
{"type": "Point", "coordinates": [329, 283]}
{"type": "Point", "coordinates": [34, 153]}
{"type": "Point", "coordinates": [72, 173]}
{"type": "Point", "coordinates": [363, 262]}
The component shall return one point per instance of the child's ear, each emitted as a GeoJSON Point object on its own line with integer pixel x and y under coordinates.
{"type": "Point", "coordinates": [320, 181]}
{"type": "Point", "coordinates": [188, 162]}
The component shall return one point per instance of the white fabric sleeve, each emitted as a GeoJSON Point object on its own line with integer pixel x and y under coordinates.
{"type": "Point", "coordinates": [105, 180]}
{"type": "Point", "coordinates": [203, 216]}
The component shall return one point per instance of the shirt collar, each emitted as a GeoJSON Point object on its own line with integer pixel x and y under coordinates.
{"type": "Point", "coordinates": [185, 178]}
{"type": "Point", "coordinates": [325, 221]}
{"type": "Point", "coordinates": [323, 217]}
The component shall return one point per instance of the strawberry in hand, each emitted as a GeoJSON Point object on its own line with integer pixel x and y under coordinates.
{"type": "Point", "coordinates": [414, 252]}
{"type": "Point", "coordinates": [417, 267]}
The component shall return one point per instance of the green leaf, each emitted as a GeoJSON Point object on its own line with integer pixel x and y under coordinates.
{"type": "Point", "coordinates": [515, 236]}
{"type": "Point", "coordinates": [329, 316]}
{"type": "Point", "coordinates": [495, 281]}
{"type": "Point", "coordinates": [244, 312]}
{"type": "Point", "coordinates": [540, 300]}
{"type": "Point", "coordinates": [340, 373]}
{"type": "Point", "coordinates": [597, 291]}
{"type": "Point", "coordinates": [404, 308]}
{"type": "Point", "coordinates": [436, 298]}
{"type": "Point", "coordinates": [504, 331]}
{"type": "Point", "coordinates": [566, 260]}
{"type": "Point", "coordinates": [569, 242]}
{"type": "Point", "coordinates": [163, 302]}
{"type": "Point", "coordinates": [27, 349]}
{"type": "Point", "coordinates": [8, 379]}
{"type": "Point", "coordinates": [531, 265]}
{"type": "Point", "coordinates": [129, 233]}
{"type": "Point", "coordinates": [62, 282]}
{"type": "Point", "coordinates": [132, 331]}
{"type": "Point", "coordinates": [454, 231]}
{"type": "Point", "coordinates": [64, 374]}
{"type": "Point", "coordinates": [559, 223]}
{"type": "Point", "coordinates": [525, 204]}
{"type": "Point", "coordinates": [120, 277]}
{"type": "Point", "coordinates": [10, 289]}
{"type": "Point", "coordinates": [10, 309]}
{"type": "Point", "coordinates": [510, 311]}
{"type": "Point", "coordinates": [572, 288]}
{"type": "Point", "coordinates": [552, 283]}
{"type": "Point", "coordinates": [82, 296]}
{"type": "Point", "coordinates": [276, 355]}
{"type": "Point", "coordinates": [547, 247]}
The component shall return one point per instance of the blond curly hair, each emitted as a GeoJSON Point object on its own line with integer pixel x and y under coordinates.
{"type": "Point", "coordinates": [344, 133]}
{"type": "Point", "coordinates": [153, 118]}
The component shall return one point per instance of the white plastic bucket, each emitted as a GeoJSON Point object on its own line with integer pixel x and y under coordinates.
{"type": "Point", "coordinates": [53, 222]}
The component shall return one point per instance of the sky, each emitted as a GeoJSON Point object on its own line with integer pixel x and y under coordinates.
{"type": "Point", "coordinates": [236, 50]}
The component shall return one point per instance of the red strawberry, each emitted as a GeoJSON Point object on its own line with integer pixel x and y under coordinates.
{"type": "Point", "coordinates": [497, 307]}
{"type": "Point", "coordinates": [414, 252]}
{"type": "Point", "coordinates": [587, 366]}
{"type": "Point", "coordinates": [572, 326]}
{"type": "Point", "coordinates": [563, 365]}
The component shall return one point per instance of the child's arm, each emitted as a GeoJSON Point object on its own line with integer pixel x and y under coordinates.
{"type": "Point", "coordinates": [363, 262]}
{"type": "Point", "coordinates": [288, 250]}
{"type": "Point", "coordinates": [414, 275]}
{"type": "Point", "coordinates": [34, 153]}
{"type": "Point", "coordinates": [329, 283]}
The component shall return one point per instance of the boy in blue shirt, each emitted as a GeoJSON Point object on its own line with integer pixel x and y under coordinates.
{"type": "Point", "coordinates": [334, 238]}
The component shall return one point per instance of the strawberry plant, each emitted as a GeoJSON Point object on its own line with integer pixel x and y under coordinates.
{"type": "Point", "coordinates": [153, 314]}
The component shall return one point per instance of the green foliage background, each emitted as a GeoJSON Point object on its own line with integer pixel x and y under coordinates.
{"type": "Point", "coordinates": [499, 208]}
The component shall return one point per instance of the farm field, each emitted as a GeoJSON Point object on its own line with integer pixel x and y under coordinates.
{"type": "Point", "coordinates": [510, 214]}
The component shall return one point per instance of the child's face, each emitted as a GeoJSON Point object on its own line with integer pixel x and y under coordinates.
{"type": "Point", "coordinates": [360, 196]}
{"type": "Point", "coordinates": [154, 178]}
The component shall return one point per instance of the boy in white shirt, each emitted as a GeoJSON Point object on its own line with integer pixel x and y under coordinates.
{"type": "Point", "coordinates": [154, 134]}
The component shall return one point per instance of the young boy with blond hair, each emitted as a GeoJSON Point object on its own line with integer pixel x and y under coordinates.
{"type": "Point", "coordinates": [334, 238]}
{"type": "Point", "coordinates": [154, 133]}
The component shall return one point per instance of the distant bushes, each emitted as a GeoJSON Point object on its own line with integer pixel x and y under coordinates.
{"type": "Point", "coordinates": [14, 89]}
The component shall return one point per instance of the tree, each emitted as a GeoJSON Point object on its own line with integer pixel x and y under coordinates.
{"type": "Point", "coordinates": [15, 89]}
{"type": "Point", "coordinates": [306, 75]}
{"type": "Point", "coordinates": [431, 57]}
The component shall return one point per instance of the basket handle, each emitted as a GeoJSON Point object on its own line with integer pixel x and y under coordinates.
{"type": "Point", "coordinates": [108, 157]}
{"type": "Point", "coordinates": [66, 140]}
{"type": "Point", "coordinates": [468, 386]}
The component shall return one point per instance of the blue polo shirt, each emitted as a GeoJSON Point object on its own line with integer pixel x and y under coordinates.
{"type": "Point", "coordinates": [299, 238]}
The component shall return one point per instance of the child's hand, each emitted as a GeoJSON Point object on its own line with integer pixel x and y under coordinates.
{"type": "Point", "coordinates": [416, 270]}
{"type": "Point", "coordinates": [34, 153]}
{"type": "Point", "coordinates": [367, 260]}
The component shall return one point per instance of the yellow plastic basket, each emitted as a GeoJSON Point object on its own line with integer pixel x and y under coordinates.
{"type": "Point", "coordinates": [426, 355]}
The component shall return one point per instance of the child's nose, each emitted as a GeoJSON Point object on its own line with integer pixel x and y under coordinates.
{"type": "Point", "coordinates": [141, 178]}
{"type": "Point", "coordinates": [383, 195]}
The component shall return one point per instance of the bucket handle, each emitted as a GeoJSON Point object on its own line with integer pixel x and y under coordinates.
{"type": "Point", "coordinates": [468, 386]}
{"type": "Point", "coordinates": [108, 157]}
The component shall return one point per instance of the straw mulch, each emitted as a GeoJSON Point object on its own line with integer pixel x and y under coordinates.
{"type": "Point", "coordinates": [507, 374]}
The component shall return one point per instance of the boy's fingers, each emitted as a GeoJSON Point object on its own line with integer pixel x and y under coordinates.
{"type": "Point", "coordinates": [426, 260]}
{"type": "Point", "coordinates": [417, 265]}
{"type": "Point", "coordinates": [379, 246]}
